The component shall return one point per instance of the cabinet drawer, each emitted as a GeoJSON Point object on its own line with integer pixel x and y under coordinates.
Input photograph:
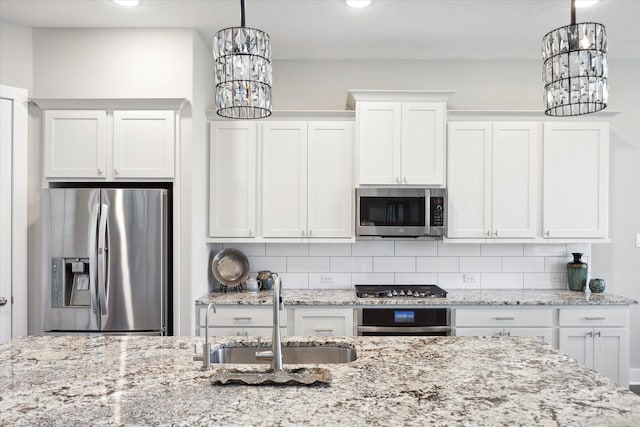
{"type": "Point", "coordinates": [330, 322]}
{"type": "Point", "coordinates": [504, 317]}
{"type": "Point", "coordinates": [600, 316]}
{"type": "Point", "coordinates": [241, 317]}
{"type": "Point", "coordinates": [241, 332]}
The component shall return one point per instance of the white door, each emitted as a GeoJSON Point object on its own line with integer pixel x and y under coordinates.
{"type": "Point", "coordinates": [575, 181]}
{"type": "Point", "coordinates": [232, 179]}
{"type": "Point", "coordinates": [330, 190]}
{"type": "Point", "coordinates": [284, 179]}
{"type": "Point", "coordinates": [577, 343]}
{"type": "Point", "coordinates": [379, 139]}
{"type": "Point", "coordinates": [514, 180]}
{"type": "Point", "coordinates": [423, 143]}
{"type": "Point", "coordinates": [323, 322]}
{"type": "Point", "coordinates": [143, 144]}
{"type": "Point", "coordinates": [75, 144]}
{"type": "Point", "coordinates": [545, 334]}
{"type": "Point", "coordinates": [469, 179]}
{"type": "Point", "coordinates": [611, 353]}
{"type": "Point", "coordinates": [13, 214]}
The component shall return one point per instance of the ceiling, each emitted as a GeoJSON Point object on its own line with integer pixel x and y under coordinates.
{"type": "Point", "coordinates": [328, 29]}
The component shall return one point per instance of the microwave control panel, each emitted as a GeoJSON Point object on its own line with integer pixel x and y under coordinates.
{"type": "Point", "coordinates": [437, 211]}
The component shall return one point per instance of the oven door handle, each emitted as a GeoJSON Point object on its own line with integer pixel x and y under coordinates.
{"type": "Point", "coordinates": [404, 329]}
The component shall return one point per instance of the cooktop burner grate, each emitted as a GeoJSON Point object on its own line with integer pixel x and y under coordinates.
{"type": "Point", "coordinates": [400, 291]}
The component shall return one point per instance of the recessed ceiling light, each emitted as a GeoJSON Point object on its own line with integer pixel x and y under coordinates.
{"type": "Point", "coordinates": [358, 3]}
{"type": "Point", "coordinates": [129, 3]}
{"type": "Point", "coordinates": [586, 3]}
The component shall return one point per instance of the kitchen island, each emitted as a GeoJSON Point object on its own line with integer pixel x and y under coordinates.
{"type": "Point", "coordinates": [394, 381]}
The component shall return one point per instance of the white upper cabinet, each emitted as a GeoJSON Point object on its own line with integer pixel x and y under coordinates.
{"type": "Point", "coordinates": [575, 180]}
{"type": "Point", "coordinates": [143, 144]}
{"type": "Point", "coordinates": [307, 179]}
{"type": "Point", "coordinates": [284, 179]}
{"type": "Point", "coordinates": [232, 179]}
{"type": "Point", "coordinates": [75, 144]}
{"type": "Point", "coordinates": [330, 185]}
{"type": "Point", "coordinates": [492, 179]}
{"type": "Point", "coordinates": [108, 144]}
{"type": "Point", "coordinates": [401, 143]}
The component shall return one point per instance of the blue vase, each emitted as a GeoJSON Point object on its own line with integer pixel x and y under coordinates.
{"type": "Point", "coordinates": [577, 273]}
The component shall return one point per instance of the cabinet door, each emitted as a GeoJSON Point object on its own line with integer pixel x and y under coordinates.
{"type": "Point", "coordinates": [143, 144]}
{"type": "Point", "coordinates": [577, 343]}
{"type": "Point", "coordinates": [611, 353]}
{"type": "Point", "coordinates": [379, 139]}
{"type": "Point", "coordinates": [75, 144]}
{"type": "Point", "coordinates": [232, 179]}
{"type": "Point", "coordinates": [323, 322]}
{"type": "Point", "coordinates": [514, 180]}
{"type": "Point", "coordinates": [284, 179]}
{"type": "Point", "coordinates": [545, 334]}
{"type": "Point", "coordinates": [330, 189]}
{"type": "Point", "coordinates": [423, 154]}
{"type": "Point", "coordinates": [469, 179]}
{"type": "Point", "coordinates": [575, 182]}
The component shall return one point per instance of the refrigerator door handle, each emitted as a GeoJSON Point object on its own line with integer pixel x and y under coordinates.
{"type": "Point", "coordinates": [93, 247]}
{"type": "Point", "coordinates": [102, 258]}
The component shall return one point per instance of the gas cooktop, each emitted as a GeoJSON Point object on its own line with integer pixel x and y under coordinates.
{"type": "Point", "coordinates": [395, 291]}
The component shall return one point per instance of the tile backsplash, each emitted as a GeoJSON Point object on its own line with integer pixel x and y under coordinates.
{"type": "Point", "coordinates": [450, 265]}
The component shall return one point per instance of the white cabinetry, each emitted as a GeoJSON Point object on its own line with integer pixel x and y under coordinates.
{"type": "Point", "coordinates": [401, 143]}
{"type": "Point", "coordinates": [306, 182]}
{"type": "Point", "coordinates": [109, 144]}
{"type": "Point", "coordinates": [323, 322]}
{"type": "Point", "coordinates": [232, 179]}
{"type": "Point", "coordinates": [75, 144]}
{"type": "Point", "coordinates": [597, 338]}
{"type": "Point", "coordinates": [533, 322]}
{"type": "Point", "coordinates": [143, 144]}
{"type": "Point", "coordinates": [235, 321]}
{"type": "Point", "coordinates": [492, 179]}
{"type": "Point", "coordinates": [576, 168]}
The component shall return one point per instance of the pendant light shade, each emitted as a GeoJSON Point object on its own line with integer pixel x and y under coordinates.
{"type": "Point", "coordinates": [575, 68]}
{"type": "Point", "coordinates": [243, 72]}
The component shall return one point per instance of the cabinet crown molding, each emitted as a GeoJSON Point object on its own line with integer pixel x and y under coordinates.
{"type": "Point", "coordinates": [359, 95]}
{"type": "Point", "coordinates": [109, 103]}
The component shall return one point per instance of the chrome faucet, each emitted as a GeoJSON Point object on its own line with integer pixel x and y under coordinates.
{"type": "Point", "coordinates": [275, 354]}
{"type": "Point", "coordinates": [206, 348]}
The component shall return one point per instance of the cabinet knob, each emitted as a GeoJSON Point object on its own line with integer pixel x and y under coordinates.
{"type": "Point", "coordinates": [495, 233]}
{"type": "Point", "coordinates": [547, 233]}
{"type": "Point", "coordinates": [250, 233]}
{"type": "Point", "coordinates": [589, 334]}
{"type": "Point", "coordinates": [597, 334]}
{"type": "Point", "coordinates": [397, 180]}
{"type": "Point", "coordinates": [115, 172]}
{"type": "Point", "coordinates": [99, 172]}
{"type": "Point", "coordinates": [404, 179]}
{"type": "Point", "coordinates": [488, 233]}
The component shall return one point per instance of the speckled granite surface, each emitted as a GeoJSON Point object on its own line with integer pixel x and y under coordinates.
{"type": "Point", "coordinates": [102, 381]}
{"type": "Point", "coordinates": [454, 298]}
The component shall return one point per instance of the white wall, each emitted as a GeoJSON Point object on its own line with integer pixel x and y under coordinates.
{"type": "Point", "coordinates": [16, 55]}
{"type": "Point", "coordinates": [500, 85]}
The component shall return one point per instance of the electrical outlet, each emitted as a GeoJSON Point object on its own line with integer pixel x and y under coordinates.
{"type": "Point", "coordinates": [469, 278]}
{"type": "Point", "coordinates": [638, 240]}
{"type": "Point", "coordinates": [557, 278]}
{"type": "Point", "coordinates": [326, 278]}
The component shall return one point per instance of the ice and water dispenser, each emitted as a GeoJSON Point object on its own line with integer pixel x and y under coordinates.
{"type": "Point", "coordinates": [70, 282]}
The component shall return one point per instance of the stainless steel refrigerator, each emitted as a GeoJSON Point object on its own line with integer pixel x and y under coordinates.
{"type": "Point", "coordinates": [107, 261]}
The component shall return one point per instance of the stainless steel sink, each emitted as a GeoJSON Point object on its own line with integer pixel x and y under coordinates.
{"type": "Point", "coordinates": [291, 354]}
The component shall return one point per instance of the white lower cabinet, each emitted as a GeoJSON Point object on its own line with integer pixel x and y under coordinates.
{"type": "Point", "coordinates": [519, 322]}
{"type": "Point", "coordinates": [600, 342]}
{"type": "Point", "coordinates": [328, 322]}
{"type": "Point", "coordinates": [234, 321]}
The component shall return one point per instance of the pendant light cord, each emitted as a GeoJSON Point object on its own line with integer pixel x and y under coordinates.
{"type": "Point", "coordinates": [242, 13]}
{"type": "Point", "coordinates": [573, 12]}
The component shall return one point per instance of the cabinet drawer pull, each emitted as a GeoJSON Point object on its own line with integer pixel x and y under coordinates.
{"type": "Point", "coordinates": [595, 318]}
{"type": "Point", "coordinates": [597, 334]}
{"type": "Point", "coordinates": [242, 318]}
{"type": "Point", "coordinates": [505, 318]}
{"type": "Point", "coordinates": [488, 233]}
{"type": "Point", "coordinates": [589, 334]}
{"type": "Point", "coordinates": [324, 330]}
{"type": "Point", "coordinates": [99, 172]}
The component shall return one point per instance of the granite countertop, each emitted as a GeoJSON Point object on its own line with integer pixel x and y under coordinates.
{"type": "Point", "coordinates": [455, 297]}
{"type": "Point", "coordinates": [112, 380]}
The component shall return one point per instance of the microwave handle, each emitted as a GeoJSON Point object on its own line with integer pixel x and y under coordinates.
{"type": "Point", "coordinates": [427, 211]}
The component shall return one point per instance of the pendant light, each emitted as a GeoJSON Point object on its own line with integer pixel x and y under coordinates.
{"type": "Point", "coordinates": [243, 71]}
{"type": "Point", "coordinates": [575, 68]}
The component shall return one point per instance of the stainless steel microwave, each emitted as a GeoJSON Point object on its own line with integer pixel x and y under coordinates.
{"type": "Point", "coordinates": [401, 212]}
